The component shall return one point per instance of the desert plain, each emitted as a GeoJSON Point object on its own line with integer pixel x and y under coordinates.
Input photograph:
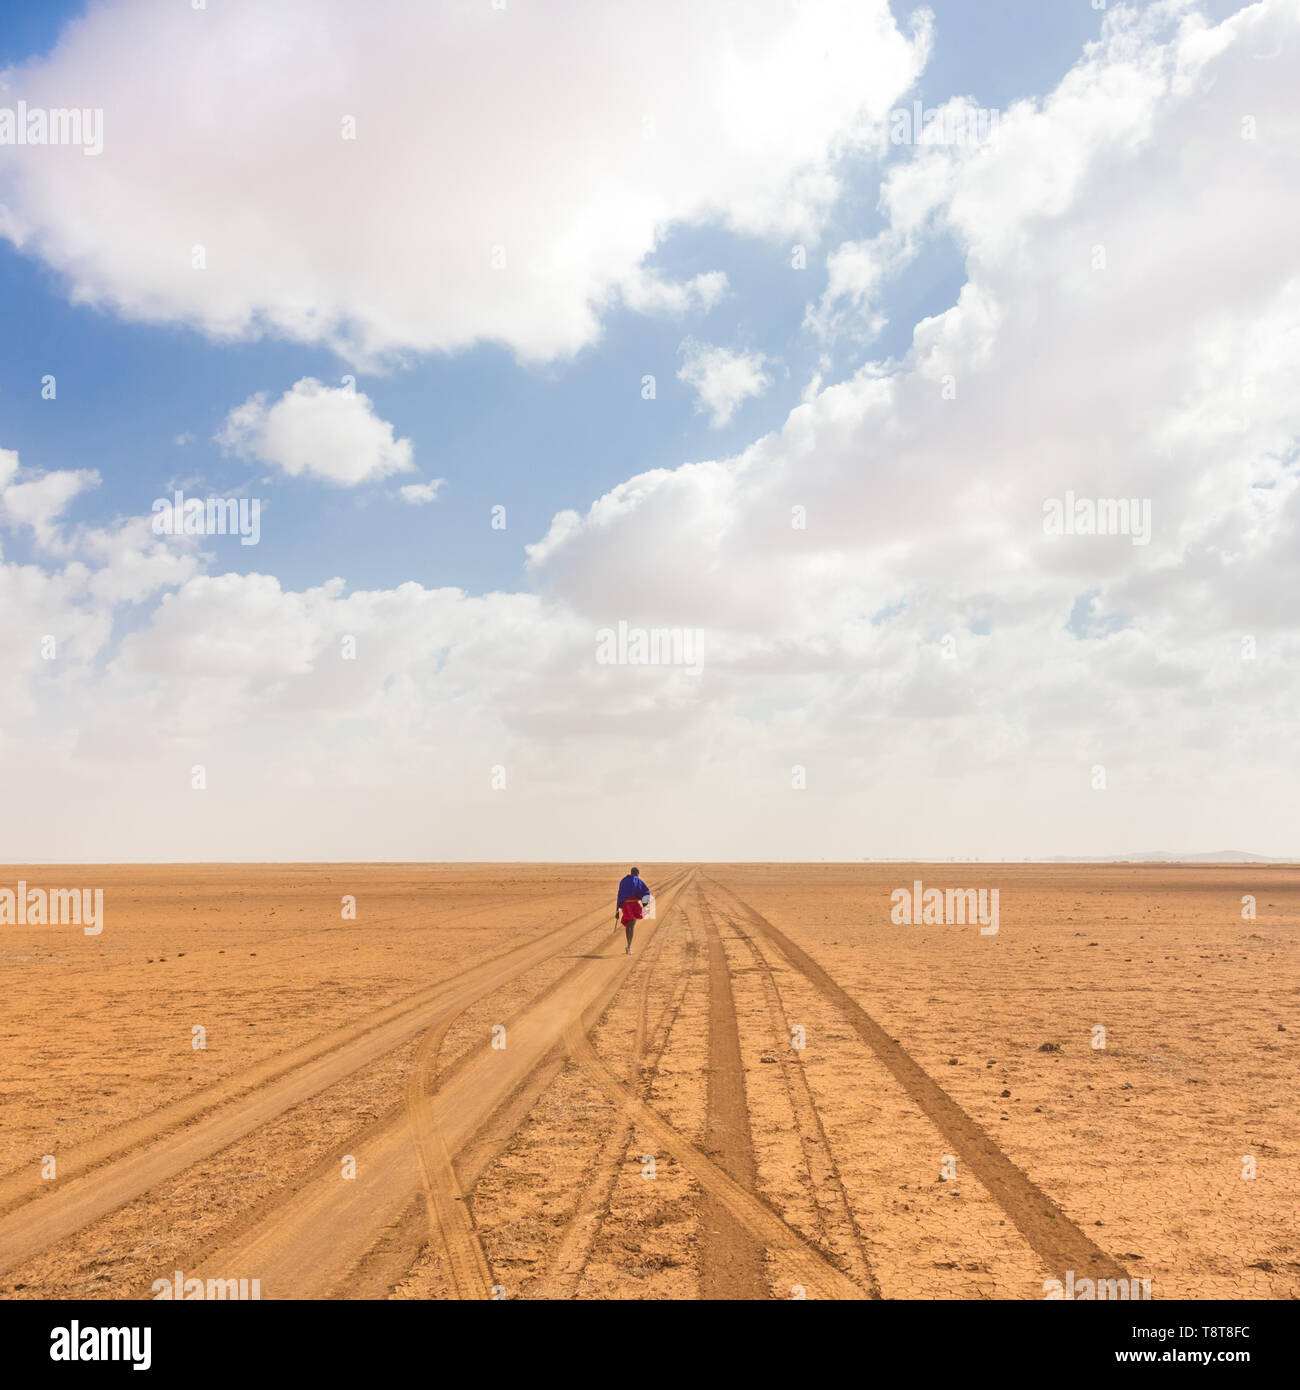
{"type": "Point", "coordinates": [449, 1081]}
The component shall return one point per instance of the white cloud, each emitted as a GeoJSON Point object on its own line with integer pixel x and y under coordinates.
{"type": "Point", "coordinates": [512, 169]}
{"type": "Point", "coordinates": [856, 275]}
{"type": "Point", "coordinates": [1168, 375]}
{"type": "Point", "coordinates": [321, 431]}
{"type": "Point", "coordinates": [420, 494]}
{"type": "Point", "coordinates": [648, 293]}
{"type": "Point", "coordinates": [70, 600]}
{"type": "Point", "coordinates": [40, 501]}
{"type": "Point", "coordinates": [721, 379]}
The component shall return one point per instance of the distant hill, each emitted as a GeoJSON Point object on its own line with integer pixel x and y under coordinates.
{"type": "Point", "coordinates": [1159, 856]}
{"type": "Point", "coordinates": [1153, 856]}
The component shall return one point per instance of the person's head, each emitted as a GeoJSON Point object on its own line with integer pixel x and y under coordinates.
{"type": "Point", "coordinates": [636, 873]}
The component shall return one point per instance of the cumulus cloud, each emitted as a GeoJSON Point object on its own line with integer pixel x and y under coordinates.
{"type": "Point", "coordinates": [39, 501]}
{"type": "Point", "coordinates": [420, 494]}
{"type": "Point", "coordinates": [721, 379]}
{"type": "Point", "coordinates": [648, 293]}
{"type": "Point", "coordinates": [1129, 329]}
{"type": "Point", "coordinates": [321, 431]}
{"type": "Point", "coordinates": [881, 603]}
{"type": "Point", "coordinates": [857, 273]}
{"type": "Point", "coordinates": [398, 176]}
{"type": "Point", "coordinates": [58, 615]}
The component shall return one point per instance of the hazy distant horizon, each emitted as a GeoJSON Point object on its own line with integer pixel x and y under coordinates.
{"type": "Point", "coordinates": [1226, 857]}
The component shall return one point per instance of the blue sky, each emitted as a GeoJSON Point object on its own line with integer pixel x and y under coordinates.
{"type": "Point", "coordinates": [1099, 299]}
{"type": "Point", "coordinates": [536, 440]}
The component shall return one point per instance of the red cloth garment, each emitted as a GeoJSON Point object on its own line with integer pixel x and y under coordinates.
{"type": "Point", "coordinates": [632, 911]}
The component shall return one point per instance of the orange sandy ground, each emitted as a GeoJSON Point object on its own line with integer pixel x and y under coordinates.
{"type": "Point", "coordinates": [1143, 1145]}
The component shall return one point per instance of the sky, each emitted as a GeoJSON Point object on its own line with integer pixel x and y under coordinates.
{"type": "Point", "coordinates": [655, 442]}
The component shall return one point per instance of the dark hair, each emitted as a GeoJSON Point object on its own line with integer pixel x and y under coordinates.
{"type": "Point", "coordinates": [635, 872]}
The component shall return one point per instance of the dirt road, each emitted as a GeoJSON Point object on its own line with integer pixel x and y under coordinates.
{"type": "Point", "coordinates": [756, 1103]}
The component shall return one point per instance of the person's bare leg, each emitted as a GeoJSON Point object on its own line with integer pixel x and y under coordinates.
{"type": "Point", "coordinates": [631, 927]}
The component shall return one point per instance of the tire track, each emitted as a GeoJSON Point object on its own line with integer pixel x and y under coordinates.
{"type": "Point", "coordinates": [23, 1183]}
{"type": "Point", "coordinates": [311, 1243]}
{"type": "Point", "coordinates": [390, 1258]}
{"type": "Point", "coordinates": [731, 1259]}
{"type": "Point", "coordinates": [813, 1267]}
{"type": "Point", "coordinates": [449, 1214]}
{"type": "Point", "coordinates": [1048, 1230]}
{"type": "Point", "coordinates": [578, 1240]}
{"type": "Point", "coordinates": [837, 1221]}
{"type": "Point", "coordinates": [394, 1252]}
{"type": "Point", "coordinates": [105, 1176]}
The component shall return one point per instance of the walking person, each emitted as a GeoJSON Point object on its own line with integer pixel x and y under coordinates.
{"type": "Point", "coordinates": [632, 894]}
